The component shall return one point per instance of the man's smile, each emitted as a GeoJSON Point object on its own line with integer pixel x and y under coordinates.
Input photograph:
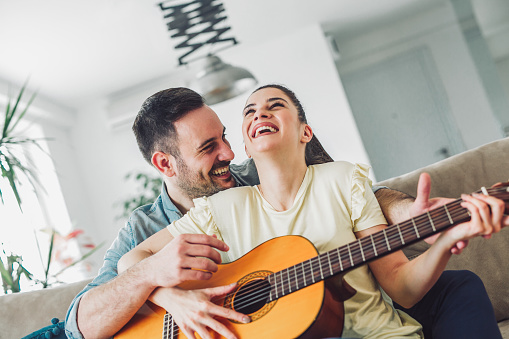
{"type": "Point", "coordinates": [222, 171]}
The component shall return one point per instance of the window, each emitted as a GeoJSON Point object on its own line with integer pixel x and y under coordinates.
{"type": "Point", "coordinates": [42, 209]}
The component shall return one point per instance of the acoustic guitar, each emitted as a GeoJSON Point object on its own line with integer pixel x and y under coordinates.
{"type": "Point", "coordinates": [283, 286]}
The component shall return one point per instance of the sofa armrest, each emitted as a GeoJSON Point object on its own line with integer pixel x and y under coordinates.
{"type": "Point", "coordinates": [25, 312]}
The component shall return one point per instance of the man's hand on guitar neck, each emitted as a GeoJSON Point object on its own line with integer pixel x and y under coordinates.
{"type": "Point", "coordinates": [193, 310]}
{"type": "Point", "coordinates": [484, 209]}
{"type": "Point", "coordinates": [398, 206]}
{"type": "Point", "coordinates": [423, 203]}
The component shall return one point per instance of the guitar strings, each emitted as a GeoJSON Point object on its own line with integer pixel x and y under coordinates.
{"type": "Point", "coordinates": [308, 268]}
{"type": "Point", "coordinates": [453, 213]}
{"type": "Point", "coordinates": [300, 281]}
{"type": "Point", "coordinates": [392, 233]}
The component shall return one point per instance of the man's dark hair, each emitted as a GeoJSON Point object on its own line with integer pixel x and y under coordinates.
{"type": "Point", "coordinates": [315, 153]}
{"type": "Point", "coordinates": [154, 126]}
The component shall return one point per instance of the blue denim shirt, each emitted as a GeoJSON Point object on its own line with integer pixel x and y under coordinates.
{"type": "Point", "coordinates": [142, 223]}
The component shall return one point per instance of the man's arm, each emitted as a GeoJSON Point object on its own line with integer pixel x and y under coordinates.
{"type": "Point", "coordinates": [107, 275]}
{"type": "Point", "coordinates": [100, 309]}
{"type": "Point", "coordinates": [109, 301]}
{"type": "Point", "coordinates": [104, 310]}
{"type": "Point", "coordinates": [407, 282]}
{"type": "Point", "coordinates": [193, 257]}
{"type": "Point", "coordinates": [395, 205]}
{"type": "Point", "coordinates": [398, 206]}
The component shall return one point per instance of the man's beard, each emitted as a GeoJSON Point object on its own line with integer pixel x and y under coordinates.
{"type": "Point", "coordinates": [195, 184]}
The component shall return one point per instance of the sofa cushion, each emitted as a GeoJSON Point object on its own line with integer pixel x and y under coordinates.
{"type": "Point", "coordinates": [25, 312]}
{"type": "Point", "coordinates": [466, 173]}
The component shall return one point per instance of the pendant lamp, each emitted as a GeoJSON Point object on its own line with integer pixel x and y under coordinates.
{"type": "Point", "coordinates": [199, 23]}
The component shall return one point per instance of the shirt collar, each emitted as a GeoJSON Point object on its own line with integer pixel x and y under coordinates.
{"type": "Point", "coordinates": [168, 205]}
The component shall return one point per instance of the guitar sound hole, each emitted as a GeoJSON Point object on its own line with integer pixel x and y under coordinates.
{"type": "Point", "coordinates": [251, 296]}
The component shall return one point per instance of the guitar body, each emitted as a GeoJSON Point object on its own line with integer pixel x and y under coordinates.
{"type": "Point", "coordinates": [310, 312]}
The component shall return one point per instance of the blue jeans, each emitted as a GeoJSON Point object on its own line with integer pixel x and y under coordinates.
{"type": "Point", "coordinates": [456, 307]}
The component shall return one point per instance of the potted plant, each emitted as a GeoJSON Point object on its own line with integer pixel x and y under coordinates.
{"type": "Point", "coordinates": [11, 144]}
{"type": "Point", "coordinates": [12, 271]}
{"type": "Point", "coordinates": [12, 166]}
{"type": "Point", "coordinates": [148, 190]}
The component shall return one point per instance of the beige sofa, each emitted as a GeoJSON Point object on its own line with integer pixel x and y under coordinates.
{"type": "Point", "coordinates": [22, 313]}
{"type": "Point", "coordinates": [467, 173]}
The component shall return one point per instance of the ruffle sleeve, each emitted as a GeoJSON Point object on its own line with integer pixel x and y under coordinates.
{"type": "Point", "coordinates": [198, 220]}
{"type": "Point", "coordinates": [365, 209]}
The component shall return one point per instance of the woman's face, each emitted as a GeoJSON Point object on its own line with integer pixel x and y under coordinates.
{"type": "Point", "coordinates": [271, 122]}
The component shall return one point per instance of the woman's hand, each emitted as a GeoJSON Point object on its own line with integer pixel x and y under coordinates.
{"type": "Point", "coordinates": [194, 311]}
{"type": "Point", "coordinates": [487, 217]}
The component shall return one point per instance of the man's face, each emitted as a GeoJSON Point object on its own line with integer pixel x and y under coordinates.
{"type": "Point", "coordinates": [205, 154]}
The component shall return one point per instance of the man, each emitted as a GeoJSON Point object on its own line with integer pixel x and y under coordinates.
{"type": "Point", "coordinates": [185, 140]}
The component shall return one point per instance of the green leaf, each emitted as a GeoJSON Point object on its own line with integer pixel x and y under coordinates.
{"type": "Point", "coordinates": [6, 119]}
{"type": "Point", "coordinates": [11, 177]}
{"type": "Point", "coordinates": [22, 114]}
{"type": "Point", "coordinates": [25, 272]}
{"type": "Point", "coordinates": [6, 277]}
{"type": "Point", "coordinates": [11, 166]}
{"type": "Point", "coordinates": [52, 241]}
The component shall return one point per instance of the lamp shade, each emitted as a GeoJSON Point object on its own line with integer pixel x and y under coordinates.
{"type": "Point", "coordinates": [217, 81]}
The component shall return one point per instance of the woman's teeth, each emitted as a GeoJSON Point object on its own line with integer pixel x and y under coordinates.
{"type": "Point", "coordinates": [263, 129]}
{"type": "Point", "coordinates": [220, 171]}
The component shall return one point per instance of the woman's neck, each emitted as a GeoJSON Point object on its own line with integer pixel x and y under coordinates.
{"type": "Point", "coordinates": [280, 180]}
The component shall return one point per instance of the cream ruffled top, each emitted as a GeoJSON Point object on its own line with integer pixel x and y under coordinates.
{"type": "Point", "coordinates": [334, 201]}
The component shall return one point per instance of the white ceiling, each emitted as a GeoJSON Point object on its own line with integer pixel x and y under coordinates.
{"type": "Point", "coordinates": [74, 51]}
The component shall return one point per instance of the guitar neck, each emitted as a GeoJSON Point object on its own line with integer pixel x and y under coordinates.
{"type": "Point", "coordinates": [364, 250]}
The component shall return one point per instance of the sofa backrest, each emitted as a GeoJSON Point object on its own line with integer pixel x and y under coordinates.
{"type": "Point", "coordinates": [461, 173]}
{"type": "Point", "coordinates": [466, 173]}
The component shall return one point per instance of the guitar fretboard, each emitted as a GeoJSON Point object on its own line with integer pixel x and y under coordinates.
{"type": "Point", "coordinates": [354, 254]}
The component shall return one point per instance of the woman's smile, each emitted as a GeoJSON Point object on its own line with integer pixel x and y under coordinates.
{"type": "Point", "coordinates": [264, 128]}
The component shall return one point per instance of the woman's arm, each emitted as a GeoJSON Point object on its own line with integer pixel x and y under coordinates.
{"type": "Point", "coordinates": [406, 282]}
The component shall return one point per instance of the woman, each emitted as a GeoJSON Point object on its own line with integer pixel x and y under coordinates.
{"type": "Point", "coordinates": [295, 195]}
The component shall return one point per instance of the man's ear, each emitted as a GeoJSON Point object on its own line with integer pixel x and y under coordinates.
{"type": "Point", "coordinates": [165, 163]}
{"type": "Point", "coordinates": [307, 135]}
{"type": "Point", "coordinates": [247, 153]}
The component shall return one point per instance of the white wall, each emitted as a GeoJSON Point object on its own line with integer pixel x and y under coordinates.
{"type": "Point", "coordinates": [503, 67]}
{"type": "Point", "coordinates": [302, 62]}
{"type": "Point", "coordinates": [438, 30]}
{"type": "Point", "coordinates": [103, 155]}
{"type": "Point", "coordinates": [503, 71]}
